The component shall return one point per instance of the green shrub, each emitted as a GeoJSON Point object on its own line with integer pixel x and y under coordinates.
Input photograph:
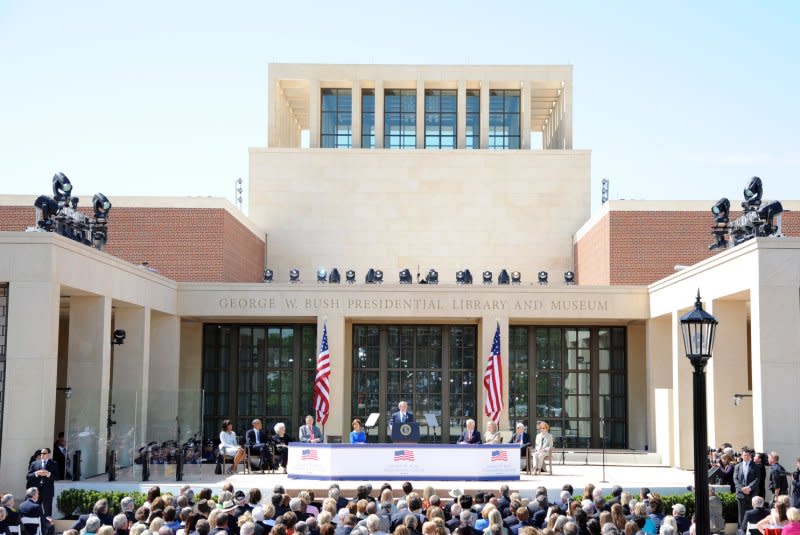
{"type": "Point", "coordinates": [81, 501]}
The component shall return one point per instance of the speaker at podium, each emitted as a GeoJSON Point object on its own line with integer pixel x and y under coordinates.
{"type": "Point", "coordinates": [407, 432]}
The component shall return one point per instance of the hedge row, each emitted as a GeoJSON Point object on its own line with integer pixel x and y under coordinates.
{"type": "Point", "coordinates": [80, 501]}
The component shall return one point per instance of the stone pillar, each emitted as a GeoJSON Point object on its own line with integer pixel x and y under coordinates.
{"type": "Point", "coordinates": [682, 400]}
{"type": "Point", "coordinates": [314, 114]}
{"type": "Point", "coordinates": [420, 114]}
{"type": "Point", "coordinates": [775, 339]}
{"type": "Point", "coordinates": [88, 374]}
{"type": "Point", "coordinates": [638, 402]}
{"type": "Point", "coordinates": [31, 359]}
{"type": "Point", "coordinates": [129, 385]}
{"type": "Point", "coordinates": [567, 126]}
{"type": "Point", "coordinates": [356, 114]}
{"type": "Point", "coordinates": [378, 114]}
{"type": "Point", "coordinates": [162, 404]}
{"type": "Point", "coordinates": [338, 419]}
{"type": "Point", "coordinates": [190, 401]}
{"type": "Point", "coordinates": [658, 387]}
{"type": "Point", "coordinates": [486, 333]}
{"type": "Point", "coordinates": [484, 114]}
{"type": "Point", "coordinates": [726, 375]}
{"type": "Point", "coordinates": [461, 114]}
{"type": "Point", "coordinates": [525, 115]}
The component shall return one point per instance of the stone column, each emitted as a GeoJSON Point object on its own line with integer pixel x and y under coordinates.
{"type": "Point", "coordinates": [31, 359]}
{"type": "Point", "coordinates": [338, 419]}
{"type": "Point", "coordinates": [356, 114]}
{"type": "Point", "coordinates": [420, 114]}
{"type": "Point", "coordinates": [658, 387]}
{"type": "Point", "coordinates": [682, 400]}
{"type": "Point", "coordinates": [525, 115]}
{"type": "Point", "coordinates": [638, 402]}
{"type": "Point", "coordinates": [484, 114]}
{"type": "Point", "coordinates": [190, 401]}
{"type": "Point", "coordinates": [131, 366]}
{"type": "Point", "coordinates": [378, 114]}
{"type": "Point", "coordinates": [487, 329]}
{"type": "Point", "coordinates": [88, 375]}
{"type": "Point", "coordinates": [162, 404]}
{"type": "Point", "coordinates": [567, 128]}
{"type": "Point", "coordinates": [461, 114]}
{"type": "Point", "coordinates": [726, 375]}
{"type": "Point", "coordinates": [314, 114]}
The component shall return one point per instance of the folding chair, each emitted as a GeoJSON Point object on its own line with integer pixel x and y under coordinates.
{"type": "Point", "coordinates": [28, 521]}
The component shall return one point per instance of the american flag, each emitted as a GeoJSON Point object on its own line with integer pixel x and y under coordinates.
{"type": "Point", "coordinates": [322, 382]}
{"type": "Point", "coordinates": [403, 455]}
{"type": "Point", "coordinates": [499, 455]}
{"type": "Point", "coordinates": [308, 455]}
{"type": "Point", "coordinates": [493, 380]}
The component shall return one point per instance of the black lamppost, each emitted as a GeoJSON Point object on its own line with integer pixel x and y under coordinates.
{"type": "Point", "coordinates": [698, 328]}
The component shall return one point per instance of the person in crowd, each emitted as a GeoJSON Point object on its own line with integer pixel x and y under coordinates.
{"type": "Point", "coordinates": [522, 438]}
{"type": "Point", "coordinates": [746, 482]}
{"type": "Point", "coordinates": [492, 435]}
{"type": "Point", "coordinates": [777, 517]}
{"type": "Point", "coordinates": [470, 435]}
{"type": "Point", "coordinates": [32, 508]}
{"type": "Point", "coordinates": [42, 475]}
{"type": "Point", "coordinates": [280, 441]}
{"type": "Point", "coordinates": [682, 522]}
{"type": "Point", "coordinates": [258, 442]}
{"type": "Point", "coordinates": [796, 485]}
{"type": "Point", "coordinates": [792, 527]}
{"type": "Point", "coordinates": [357, 435]}
{"type": "Point", "coordinates": [543, 446]}
{"type": "Point", "coordinates": [8, 502]}
{"type": "Point", "coordinates": [61, 457]}
{"type": "Point", "coordinates": [120, 524]}
{"type": "Point", "coordinates": [656, 515]}
{"type": "Point", "coordinates": [229, 445]}
{"type": "Point", "coordinates": [778, 484]}
{"type": "Point", "coordinates": [757, 513]}
{"type": "Point", "coordinates": [310, 432]}
{"type": "Point", "coordinates": [403, 415]}
{"type": "Point", "coordinates": [523, 520]}
{"type": "Point", "coordinates": [726, 465]}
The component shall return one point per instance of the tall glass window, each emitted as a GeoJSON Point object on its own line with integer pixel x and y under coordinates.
{"type": "Point", "coordinates": [504, 119]}
{"type": "Point", "coordinates": [430, 366]}
{"type": "Point", "coordinates": [473, 130]}
{"type": "Point", "coordinates": [257, 371]}
{"type": "Point", "coordinates": [576, 377]}
{"type": "Point", "coordinates": [367, 118]}
{"type": "Point", "coordinates": [336, 118]}
{"type": "Point", "coordinates": [440, 118]}
{"type": "Point", "coordinates": [400, 119]}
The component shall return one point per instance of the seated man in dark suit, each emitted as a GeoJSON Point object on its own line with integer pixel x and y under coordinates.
{"type": "Point", "coordinates": [523, 515]}
{"type": "Point", "coordinates": [756, 514]}
{"type": "Point", "coordinates": [256, 439]}
{"type": "Point", "coordinates": [522, 438]}
{"type": "Point", "coordinates": [470, 434]}
{"type": "Point", "coordinates": [31, 508]}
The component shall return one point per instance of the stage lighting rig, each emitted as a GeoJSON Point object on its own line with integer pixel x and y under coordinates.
{"type": "Point", "coordinates": [405, 276]}
{"type": "Point", "coordinates": [60, 214]}
{"type": "Point", "coordinates": [757, 220]}
{"type": "Point", "coordinates": [464, 276]}
{"type": "Point", "coordinates": [334, 277]}
{"type": "Point", "coordinates": [503, 277]}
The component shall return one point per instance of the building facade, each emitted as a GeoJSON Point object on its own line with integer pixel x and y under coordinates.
{"type": "Point", "coordinates": [431, 169]}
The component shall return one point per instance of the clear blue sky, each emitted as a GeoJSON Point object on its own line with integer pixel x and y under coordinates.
{"type": "Point", "coordinates": [685, 100]}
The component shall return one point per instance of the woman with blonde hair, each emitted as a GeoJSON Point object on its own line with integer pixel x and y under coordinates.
{"type": "Point", "coordinates": [492, 435]}
{"type": "Point", "coordinates": [618, 517]}
{"type": "Point", "coordinates": [495, 519]}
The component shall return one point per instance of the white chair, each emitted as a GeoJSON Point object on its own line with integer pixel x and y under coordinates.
{"type": "Point", "coordinates": [13, 530]}
{"type": "Point", "coordinates": [30, 521]}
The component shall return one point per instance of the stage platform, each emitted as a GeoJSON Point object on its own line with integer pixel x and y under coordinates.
{"type": "Point", "coordinates": [636, 473]}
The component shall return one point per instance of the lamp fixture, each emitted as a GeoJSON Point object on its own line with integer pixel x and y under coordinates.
{"type": "Point", "coordinates": [487, 277]}
{"type": "Point", "coordinates": [542, 276]}
{"type": "Point", "coordinates": [294, 275]}
{"type": "Point", "coordinates": [432, 277]}
{"type": "Point", "coordinates": [350, 276]}
{"type": "Point", "coordinates": [569, 278]}
{"type": "Point", "coordinates": [268, 275]}
{"type": "Point", "coordinates": [516, 277]}
{"type": "Point", "coordinates": [463, 276]}
{"type": "Point", "coordinates": [322, 275]}
{"type": "Point", "coordinates": [405, 276]}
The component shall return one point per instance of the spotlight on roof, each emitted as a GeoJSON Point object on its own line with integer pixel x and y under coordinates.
{"type": "Point", "coordinates": [405, 276]}
{"type": "Point", "coordinates": [101, 206]}
{"type": "Point", "coordinates": [350, 276]}
{"type": "Point", "coordinates": [503, 277]}
{"type": "Point", "coordinates": [322, 275]}
{"type": "Point", "coordinates": [768, 213]}
{"type": "Point", "coordinates": [463, 277]}
{"type": "Point", "coordinates": [432, 277]}
{"type": "Point", "coordinates": [516, 277]}
{"type": "Point", "coordinates": [487, 277]}
{"type": "Point", "coordinates": [721, 210]}
{"type": "Point", "coordinates": [753, 193]}
{"type": "Point", "coordinates": [334, 277]}
{"type": "Point", "coordinates": [62, 187]}
{"type": "Point", "coordinates": [542, 276]}
{"type": "Point", "coordinates": [119, 337]}
{"type": "Point", "coordinates": [569, 277]}
{"type": "Point", "coordinates": [268, 275]}
{"type": "Point", "coordinates": [294, 275]}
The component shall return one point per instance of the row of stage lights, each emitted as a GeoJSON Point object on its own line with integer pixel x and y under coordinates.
{"type": "Point", "coordinates": [375, 276]}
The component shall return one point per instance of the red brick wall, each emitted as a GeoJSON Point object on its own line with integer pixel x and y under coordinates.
{"type": "Point", "coordinates": [591, 255]}
{"type": "Point", "coordinates": [184, 244]}
{"type": "Point", "coordinates": [646, 246]}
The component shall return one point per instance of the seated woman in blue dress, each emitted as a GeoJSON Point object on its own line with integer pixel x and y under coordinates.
{"type": "Point", "coordinates": [357, 435]}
